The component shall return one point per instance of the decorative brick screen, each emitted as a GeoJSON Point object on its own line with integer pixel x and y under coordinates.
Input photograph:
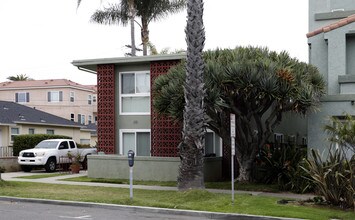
{"type": "Point", "coordinates": [106, 108]}
{"type": "Point", "coordinates": [165, 133]}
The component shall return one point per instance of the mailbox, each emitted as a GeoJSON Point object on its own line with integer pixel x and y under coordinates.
{"type": "Point", "coordinates": [130, 158]}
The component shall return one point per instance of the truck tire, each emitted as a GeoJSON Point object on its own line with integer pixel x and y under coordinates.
{"type": "Point", "coordinates": [51, 165]}
{"type": "Point", "coordinates": [26, 169]}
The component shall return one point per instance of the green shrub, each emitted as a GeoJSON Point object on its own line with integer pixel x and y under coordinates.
{"type": "Point", "coordinates": [280, 164]}
{"type": "Point", "coordinates": [82, 145]}
{"type": "Point", "coordinates": [27, 141]}
{"type": "Point", "coordinates": [334, 177]}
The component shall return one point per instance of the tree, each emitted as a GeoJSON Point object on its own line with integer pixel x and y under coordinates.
{"type": "Point", "coordinates": [147, 10]}
{"type": "Point", "coordinates": [255, 84]}
{"type": "Point", "coordinates": [193, 135]}
{"type": "Point", "coordinates": [341, 131]}
{"type": "Point", "coordinates": [21, 77]}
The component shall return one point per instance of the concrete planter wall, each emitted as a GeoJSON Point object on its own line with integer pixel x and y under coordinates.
{"type": "Point", "coordinates": [10, 164]}
{"type": "Point", "coordinates": [146, 168]}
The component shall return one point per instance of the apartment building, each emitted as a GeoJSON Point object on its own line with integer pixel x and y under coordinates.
{"type": "Point", "coordinates": [60, 97]}
{"type": "Point", "coordinates": [331, 41]}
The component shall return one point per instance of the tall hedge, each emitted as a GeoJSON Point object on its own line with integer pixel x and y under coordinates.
{"type": "Point", "coordinates": [28, 141]}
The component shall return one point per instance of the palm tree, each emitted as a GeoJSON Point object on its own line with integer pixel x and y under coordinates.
{"type": "Point", "coordinates": [193, 136]}
{"type": "Point", "coordinates": [147, 10]}
{"type": "Point", "coordinates": [21, 77]}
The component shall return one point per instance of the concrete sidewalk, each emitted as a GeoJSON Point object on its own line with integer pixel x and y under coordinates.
{"type": "Point", "coordinates": [13, 176]}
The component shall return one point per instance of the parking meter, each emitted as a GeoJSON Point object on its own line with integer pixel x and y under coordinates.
{"type": "Point", "coordinates": [130, 158]}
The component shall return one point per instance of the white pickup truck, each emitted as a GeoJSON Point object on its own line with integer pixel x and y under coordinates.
{"type": "Point", "coordinates": [52, 152]}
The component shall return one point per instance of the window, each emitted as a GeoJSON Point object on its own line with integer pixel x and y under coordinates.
{"type": "Point", "coordinates": [212, 144]}
{"type": "Point", "coordinates": [72, 117]}
{"type": "Point", "coordinates": [50, 131]}
{"type": "Point", "coordinates": [72, 144]}
{"type": "Point", "coordinates": [89, 119]}
{"type": "Point", "coordinates": [14, 132]}
{"type": "Point", "coordinates": [55, 96]}
{"type": "Point", "coordinates": [22, 97]}
{"type": "Point", "coordinates": [63, 146]}
{"type": "Point", "coordinates": [72, 97]}
{"type": "Point", "coordinates": [89, 99]}
{"type": "Point", "coordinates": [81, 119]}
{"type": "Point", "coordinates": [94, 98]}
{"type": "Point", "coordinates": [136, 140]}
{"type": "Point", "coordinates": [135, 93]}
{"type": "Point", "coordinates": [278, 138]}
{"type": "Point", "coordinates": [31, 131]}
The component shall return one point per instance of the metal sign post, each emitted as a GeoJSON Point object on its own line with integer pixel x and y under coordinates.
{"type": "Point", "coordinates": [131, 183]}
{"type": "Point", "coordinates": [232, 123]}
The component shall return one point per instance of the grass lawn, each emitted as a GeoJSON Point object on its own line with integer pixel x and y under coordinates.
{"type": "Point", "coordinates": [40, 176]}
{"type": "Point", "coordinates": [192, 200]}
{"type": "Point", "coordinates": [209, 185]}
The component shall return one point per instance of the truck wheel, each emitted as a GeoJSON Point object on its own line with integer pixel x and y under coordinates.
{"type": "Point", "coordinates": [51, 165]}
{"type": "Point", "coordinates": [26, 169]}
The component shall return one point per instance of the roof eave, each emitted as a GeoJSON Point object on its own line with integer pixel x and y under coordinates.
{"type": "Point", "coordinates": [91, 64]}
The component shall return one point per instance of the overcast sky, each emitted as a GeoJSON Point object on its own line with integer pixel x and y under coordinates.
{"type": "Point", "coordinates": [40, 38]}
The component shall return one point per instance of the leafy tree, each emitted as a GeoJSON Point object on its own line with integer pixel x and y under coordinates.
{"type": "Point", "coordinates": [21, 77]}
{"type": "Point", "coordinates": [255, 84]}
{"type": "Point", "coordinates": [147, 10]}
{"type": "Point", "coordinates": [193, 135]}
{"type": "Point", "coordinates": [342, 132]}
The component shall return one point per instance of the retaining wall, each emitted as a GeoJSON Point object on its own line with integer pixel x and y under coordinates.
{"type": "Point", "coordinates": [147, 168]}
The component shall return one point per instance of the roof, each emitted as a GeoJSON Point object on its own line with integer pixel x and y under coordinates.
{"type": "Point", "coordinates": [90, 64]}
{"type": "Point", "coordinates": [13, 113]}
{"type": "Point", "coordinates": [92, 127]}
{"type": "Point", "coordinates": [44, 83]}
{"type": "Point", "coordinates": [330, 27]}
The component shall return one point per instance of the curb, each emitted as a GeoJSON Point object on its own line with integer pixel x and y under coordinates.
{"type": "Point", "coordinates": [205, 214]}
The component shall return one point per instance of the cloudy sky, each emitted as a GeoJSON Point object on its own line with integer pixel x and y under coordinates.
{"type": "Point", "coordinates": [40, 38]}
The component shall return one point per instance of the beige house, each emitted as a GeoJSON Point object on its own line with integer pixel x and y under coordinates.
{"type": "Point", "coordinates": [60, 97]}
{"type": "Point", "coordinates": [16, 119]}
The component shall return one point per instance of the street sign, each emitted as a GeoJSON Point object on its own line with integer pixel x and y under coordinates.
{"type": "Point", "coordinates": [232, 122]}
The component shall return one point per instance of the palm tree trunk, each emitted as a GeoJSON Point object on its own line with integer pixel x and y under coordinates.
{"type": "Point", "coordinates": [132, 15]}
{"type": "Point", "coordinates": [145, 36]}
{"type": "Point", "coordinates": [191, 174]}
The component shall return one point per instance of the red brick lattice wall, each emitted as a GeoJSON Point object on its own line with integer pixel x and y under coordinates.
{"type": "Point", "coordinates": [165, 133]}
{"type": "Point", "coordinates": [106, 108]}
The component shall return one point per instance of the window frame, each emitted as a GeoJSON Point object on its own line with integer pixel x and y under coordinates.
{"type": "Point", "coordinates": [135, 131]}
{"type": "Point", "coordinates": [50, 130]}
{"type": "Point", "coordinates": [60, 96]}
{"type": "Point", "coordinates": [135, 94]}
{"type": "Point", "coordinates": [26, 94]}
{"type": "Point", "coordinates": [71, 96]}
{"type": "Point", "coordinates": [89, 99]}
{"type": "Point", "coordinates": [12, 135]}
{"type": "Point", "coordinates": [31, 129]}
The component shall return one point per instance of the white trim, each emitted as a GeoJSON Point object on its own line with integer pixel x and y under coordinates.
{"type": "Point", "coordinates": [135, 131]}
{"type": "Point", "coordinates": [132, 95]}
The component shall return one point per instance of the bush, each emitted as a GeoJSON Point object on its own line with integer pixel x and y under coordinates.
{"type": "Point", "coordinates": [334, 177]}
{"type": "Point", "coordinates": [280, 164]}
{"type": "Point", "coordinates": [27, 141]}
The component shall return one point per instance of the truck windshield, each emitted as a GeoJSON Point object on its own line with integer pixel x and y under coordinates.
{"type": "Point", "coordinates": [47, 145]}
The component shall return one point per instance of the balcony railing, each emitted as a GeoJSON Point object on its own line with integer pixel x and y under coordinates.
{"type": "Point", "coordinates": [6, 151]}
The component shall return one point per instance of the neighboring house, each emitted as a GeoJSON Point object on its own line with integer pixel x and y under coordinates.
{"type": "Point", "coordinates": [60, 97]}
{"type": "Point", "coordinates": [16, 119]}
{"type": "Point", "coordinates": [331, 43]}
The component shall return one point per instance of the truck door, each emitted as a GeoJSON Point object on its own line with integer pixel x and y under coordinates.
{"type": "Point", "coordinates": [63, 150]}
